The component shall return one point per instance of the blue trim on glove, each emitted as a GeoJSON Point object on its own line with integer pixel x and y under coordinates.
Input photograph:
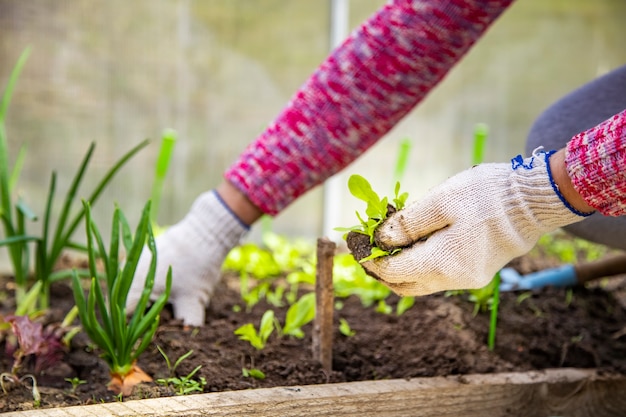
{"type": "Point", "coordinates": [555, 187]}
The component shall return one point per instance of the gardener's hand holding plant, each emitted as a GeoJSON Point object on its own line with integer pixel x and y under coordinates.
{"type": "Point", "coordinates": [461, 233]}
{"type": "Point", "coordinates": [196, 247]}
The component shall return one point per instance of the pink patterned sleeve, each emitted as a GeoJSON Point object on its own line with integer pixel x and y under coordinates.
{"type": "Point", "coordinates": [596, 163]}
{"type": "Point", "coordinates": [384, 68]}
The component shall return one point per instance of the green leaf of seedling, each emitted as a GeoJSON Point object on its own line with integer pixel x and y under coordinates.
{"type": "Point", "coordinates": [399, 199]}
{"type": "Point", "coordinates": [253, 373]}
{"type": "Point", "coordinates": [299, 314]}
{"type": "Point", "coordinates": [383, 307]}
{"type": "Point", "coordinates": [345, 329]}
{"type": "Point", "coordinates": [404, 304]}
{"type": "Point", "coordinates": [267, 326]}
{"type": "Point", "coordinates": [376, 253]}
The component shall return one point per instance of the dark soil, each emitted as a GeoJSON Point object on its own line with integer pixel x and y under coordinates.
{"type": "Point", "coordinates": [437, 336]}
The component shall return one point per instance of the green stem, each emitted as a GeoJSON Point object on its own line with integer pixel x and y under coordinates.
{"type": "Point", "coordinates": [168, 140]}
{"type": "Point", "coordinates": [494, 313]}
{"type": "Point", "coordinates": [404, 150]}
{"type": "Point", "coordinates": [480, 140]}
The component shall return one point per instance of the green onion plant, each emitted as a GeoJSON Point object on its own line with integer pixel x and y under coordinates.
{"type": "Point", "coordinates": [104, 318]}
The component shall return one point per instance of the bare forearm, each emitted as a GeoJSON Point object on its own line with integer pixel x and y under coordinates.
{"type": "Point", "coordinates": [564, 183]}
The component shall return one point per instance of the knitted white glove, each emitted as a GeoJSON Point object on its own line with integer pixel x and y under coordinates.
{"type": "Point", "coordinates": [195, 248]}
{"type": "Point", "coordinates": [474, 223]}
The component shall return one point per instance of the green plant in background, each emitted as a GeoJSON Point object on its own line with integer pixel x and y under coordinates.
{"type": "Point", "coordinates": [345, 329]}
{"type": "Point", "coordinates": [404, 304]}
{"type": "Point", "coordinates": [258, 339]}
{"type": "Point", "coordinates": [168, 140]}
{"type": "Point", "coordinates": [489, 295]}
{"type": "Point", "coordinates": [104, 319]}
{"type": "Point", "coordinates": [50, 244]}
{"type": "Point", "coordinates": [568, 249]}
{"type": "Point", "coordinates": [14, 224]}
{"type": "Point", "coordinates": [479, 145]}
{"type": "Point", "coordinates": [349, 278]}
{"type": "Point", "coordinates": [298, 315]}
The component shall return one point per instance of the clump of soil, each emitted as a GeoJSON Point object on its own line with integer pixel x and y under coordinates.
{"type": "Point", "coordinates": [439, 335]}
{"type": "Point", "coordinates": [359, 245]}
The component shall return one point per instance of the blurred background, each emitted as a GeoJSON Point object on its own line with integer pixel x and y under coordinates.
{"type": "Point", "coordinates": [218, 71]}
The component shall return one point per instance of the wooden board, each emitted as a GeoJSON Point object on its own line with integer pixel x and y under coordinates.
{"type": "Point", "coordinates": [562, 392]}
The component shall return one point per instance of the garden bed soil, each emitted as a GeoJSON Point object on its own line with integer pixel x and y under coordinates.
{"type": "Point", "coordinates": [439, 335]}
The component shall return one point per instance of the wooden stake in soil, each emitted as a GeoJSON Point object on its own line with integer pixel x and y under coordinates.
{"type": "Point", "coordinates": [324, 299]}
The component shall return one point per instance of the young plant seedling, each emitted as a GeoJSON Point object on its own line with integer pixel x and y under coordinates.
{"type": "Point", "coordinates": [253, 373]}
{"type": "Point", "coordinates": [258, 340]}
{"type": "Point", "coordinates": [172, 367]}
{"type": "Point", "coordinates": [185, 384]}
{"type": "Point", "coordinates": [76, 382]}
{"type": "Point", "coordinates": [377, 210]}
{"type": "Point", "coordinates": [345, 329]}
{"type": "Point", "coordinates": [298, 315]}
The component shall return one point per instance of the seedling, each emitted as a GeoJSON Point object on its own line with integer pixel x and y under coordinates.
{"type": "Point", "coordinates": [376, 212]}
{"type": "Point", "coordinates": [12, 378]}
{"type": "Point", "coordinates": [104, 319]}
{"type": "Point", "coordinates": [383, 308]}
{"type": "Point", "coordinates": [258, 340]}
{"type": "Point", "coordinates": [172, 367]}
{"type": "Point", "coordinates": [76, 382]}
{"type": "Point", "coordinates": [298, 315]}
{"type": "Point", "coordinates": [185, 384]}
{"type": "Point", "coordinates": [404, 304]}
{"type": "Point", "coordinates": [345, 329]}
{"type": "Point", "coordinates": [253, 373]}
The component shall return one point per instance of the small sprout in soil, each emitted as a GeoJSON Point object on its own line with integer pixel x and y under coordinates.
{"type": "Point", "coordinates": [253, 373]}
{"type": "Point", "coordinates": [258, 339]}
{"type": "Point", "coordinates": [185, 384]}
{"type": "Point", "coordinates": [104, 319]}
{"type": "Point", "coordinates": [75, 382]}
{"type": "Point", "coordinates": [383, 307]}
{"type": "Point", "coordinates": [569, 296]}
{"type": "Point", "coordinates": [345, 329]}
{"type": "Point", "coordinates": [482, 297]}
{"type": "Point", "coordinates": [404, 304]}
{"type": "Point", "coordinates": [523, 296]}
{"type": "Point", "coordinates": [275, 297]}
{"type": "Point", "coordinates": [172, 367]}
{"type": "Point", "coordinates": [13, 379]}
{"type": "Point", "coordinates": [298, 315]}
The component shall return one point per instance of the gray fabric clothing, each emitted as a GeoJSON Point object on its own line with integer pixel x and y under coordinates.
{"type": "Point", "coordinates": [580, 110]}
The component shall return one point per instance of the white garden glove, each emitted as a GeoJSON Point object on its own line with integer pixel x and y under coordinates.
{"type": "Point", "coordinates": [195, 248]}
{"type": "Point", "coordinates": [469, 227]}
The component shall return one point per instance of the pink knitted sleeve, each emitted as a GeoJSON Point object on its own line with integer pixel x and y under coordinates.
{"type": "Point", "coordinates": [596, 163]}
{"type": "Point", "coordinates": [358, 94]}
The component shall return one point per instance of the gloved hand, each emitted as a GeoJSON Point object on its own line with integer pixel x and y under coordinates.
{"type": "Point", "coordinates": [195, 248]}
{"type": "Point", "coordinates": [469, 227]}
